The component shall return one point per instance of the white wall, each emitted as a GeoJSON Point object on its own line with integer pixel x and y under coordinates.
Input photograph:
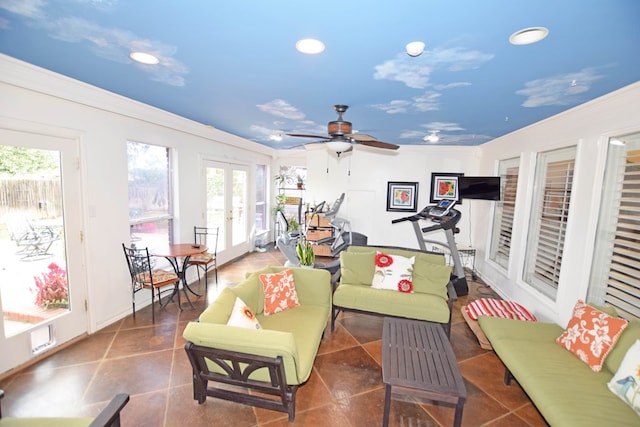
{"type": "Point", "coordinates": [363, 175]}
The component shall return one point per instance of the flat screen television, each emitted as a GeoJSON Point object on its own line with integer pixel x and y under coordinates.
{"type": "Point", "coordinates": [479, 187]}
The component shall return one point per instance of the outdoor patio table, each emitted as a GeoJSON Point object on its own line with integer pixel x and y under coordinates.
{"type": "Point", "coordinates": [173, 253]}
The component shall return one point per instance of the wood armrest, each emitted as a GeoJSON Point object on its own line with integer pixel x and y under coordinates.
{"type": "Point", "coordinates": [110, 416]}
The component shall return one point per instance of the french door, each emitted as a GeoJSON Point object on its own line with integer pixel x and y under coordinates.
{"type": "Point", "coordinates": [42, 279]}
{"type": "Point", "coordinates": [226, 207]}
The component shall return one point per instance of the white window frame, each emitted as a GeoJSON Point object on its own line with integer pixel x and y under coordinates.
{"type": "Point", "coordinates": [548, 222]}
{"type": "Point", "coordinates": [615, 271]}
{"type": "Point", "coordinates": [504, 212]}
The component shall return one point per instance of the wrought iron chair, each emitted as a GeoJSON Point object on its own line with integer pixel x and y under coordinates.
{"type": "Point", "coordinates": [108, 417]}
{"type": "Point", "coordinates": [206, 261]}
{"type": "Point", "coordinates": [144, 276]}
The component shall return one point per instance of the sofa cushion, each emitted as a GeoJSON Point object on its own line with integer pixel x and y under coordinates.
{"type": "Point", "coordinates": [279, 292]}
{"type": "Point", "coordinates": [418, 306]}
{"type": "Point", "coordinates": [391, 270]}
{"type": "Point", "coordinates": [357, 268]}
{"type": "Point", "coordinates": [242, 316]}
{"type": "Point", "coordinates": [628, 337]}
{"type": "Point", "coordinates": [626, 382]}
{"type": "Point", "coordinates": [498, 308]}
{"type": "Point", "coordinates": [431, 278]}
{"type": "Point", "coordinates": [220, 309]}
{"type": "Point", "coordinates": [591, 334]}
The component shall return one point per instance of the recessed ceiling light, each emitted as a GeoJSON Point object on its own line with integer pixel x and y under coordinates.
{"type": "Point", "coordinates": [310, 46]}
{"type": "Point", "coordinates": [433, 137]}
{"type": "Point", "coordinates": [415, 48]}
{"type": "Point", "coordinates": [144, 58]}
{"type": "Point", "coordinates": [528, 35]}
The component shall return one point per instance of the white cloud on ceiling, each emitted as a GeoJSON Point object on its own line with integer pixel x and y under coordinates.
{"type": "Point", "coordinates": [443, 126]}
{"type": "Point", "coordinates": [421, 103]}
{"type": "Point", "coordinates": [431, 126]}
{"type": "Point", "coordinates": [563, 89]}
{"type": "Point", "coordinates": [28, 8]}
{"type": "Point", "coordinates": [281, 108]}
{"type": "Point", "coordinates": [113, 44]}
{"type": "Point", "coordinates": [415, 72]}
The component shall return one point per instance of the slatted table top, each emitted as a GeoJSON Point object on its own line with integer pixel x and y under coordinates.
{"type": "Point", "coordinates": [417, 359]}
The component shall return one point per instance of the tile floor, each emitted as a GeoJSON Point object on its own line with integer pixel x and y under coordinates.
{"type": "Point", "coordinates": [345, 389]}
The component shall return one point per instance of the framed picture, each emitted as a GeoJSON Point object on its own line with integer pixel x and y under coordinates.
{"type": "Point", "coordinates": [445, 186]}
{"type": "Point", "coordinates": [402, 196]}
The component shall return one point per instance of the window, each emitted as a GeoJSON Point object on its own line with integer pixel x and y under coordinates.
{"type": "Point", "coordinates": [615, 273]}
{"type": "Point", "coordinates": [504, 212]}
{"type": "Point", "coordinates": [548, 222]}
{"type": "Point", "coordinates": [150, 207]}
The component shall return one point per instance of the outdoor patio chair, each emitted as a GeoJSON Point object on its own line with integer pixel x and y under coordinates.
{"type": "Point", "coordinates": [206, 261]}
{"type": "Point", "coordinates": [144, 276]}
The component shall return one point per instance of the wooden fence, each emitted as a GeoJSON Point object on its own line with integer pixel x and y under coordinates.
{"type": "Point", "coordinates": [31, 198]}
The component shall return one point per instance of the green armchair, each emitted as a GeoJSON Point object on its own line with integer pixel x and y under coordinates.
{"type": "Point", "coordinates": [274, 360]}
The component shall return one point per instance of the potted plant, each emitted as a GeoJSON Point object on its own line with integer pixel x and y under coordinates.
{"type": "Point", "coordinates": [51, 288]}
{"type": "Point", "coordinates": [294, 225]}
{"type": "Point", "coordinates": [283, 178]}
{"type": "Point", "coordinates": [300, 182]}
{"type": "Point", "coordinates": [304, 250]}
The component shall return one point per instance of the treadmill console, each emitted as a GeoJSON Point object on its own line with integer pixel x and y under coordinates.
{"type": "Point", "coordinates": [442, 209]}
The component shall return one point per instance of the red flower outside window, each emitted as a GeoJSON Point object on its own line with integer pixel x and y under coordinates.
{"type": "Point", "coordinates": [383, 260]}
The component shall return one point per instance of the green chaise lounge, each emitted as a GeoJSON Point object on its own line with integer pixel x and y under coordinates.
{"type": "Point", "coordinates": [563, 388]}
{"type": "Point", "coordinates": [273, 360]}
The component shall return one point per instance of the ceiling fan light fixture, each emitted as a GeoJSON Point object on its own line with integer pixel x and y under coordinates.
{"type": "Point", "coordinates": [338, 145]}
{"type": "Point", "coordinates": [415, 48]}
{"type": "Point", "coordinates": [144, 58]}
{"type": "Point", "coordinates": [339, 128]}
{"type": "Point", "coordinates": [310, 46]}
{"type": "Point", "coordinates": [528, 35]}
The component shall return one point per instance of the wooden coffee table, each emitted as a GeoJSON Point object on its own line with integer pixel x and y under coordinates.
{"type": "Point", "coordinates": [418, 361]}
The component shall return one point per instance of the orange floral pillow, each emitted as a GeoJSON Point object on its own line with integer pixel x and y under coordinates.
{"type": "Point", "coordinates": [279, 292]}
{"type": "Point", "coordinates": [591, 334]}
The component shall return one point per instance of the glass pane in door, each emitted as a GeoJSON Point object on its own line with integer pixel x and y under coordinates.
{"type": "Point", "coordinates": [239, 207]}
{"type": "Point", "coordinates": [216, 203]}
{"type": "Point", "coordinates": [33, 275]}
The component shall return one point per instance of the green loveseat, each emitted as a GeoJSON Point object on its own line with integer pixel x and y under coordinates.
{"type": "Point", "coordinates": [273, 360]}
{"type": "Point", "coordinates": [433, 293]}
{"type": "Point", "coordinates": [563, 388]}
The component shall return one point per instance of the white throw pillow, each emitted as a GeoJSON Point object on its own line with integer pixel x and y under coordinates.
{"type": "Point", "coordinates": [242, 316]}
{"type": "Point", "coordinates": [393, 272]}
{"type": "Point", "coordinates": [626, 382]}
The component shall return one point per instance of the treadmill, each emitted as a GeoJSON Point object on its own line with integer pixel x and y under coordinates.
{"type": "Point", "coordinates": [445, 218]}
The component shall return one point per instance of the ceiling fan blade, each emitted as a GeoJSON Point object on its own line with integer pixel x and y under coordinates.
{"type": "Point", "coordinates": [304, 135]}
{"type": "Point", "coordinates": [361, 137]}
{"type": "Point", "coordinates": [380, 144]}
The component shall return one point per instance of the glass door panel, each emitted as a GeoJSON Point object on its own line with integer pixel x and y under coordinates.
{"type": "Point", "coordinates": [239, 207]}
{"type": "Point", "coordinates": [42, 289]}
{"type": "Point", "coordinates": [226, 206]}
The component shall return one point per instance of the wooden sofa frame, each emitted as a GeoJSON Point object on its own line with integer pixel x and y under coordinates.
{"type": "Point", "coordinates": [108, 417]}
{"type": "Point", "coordinates": [237, 373]}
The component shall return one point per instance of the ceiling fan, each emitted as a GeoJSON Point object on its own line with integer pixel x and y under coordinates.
{"type": "Point", "coordinates": [340, 138]}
